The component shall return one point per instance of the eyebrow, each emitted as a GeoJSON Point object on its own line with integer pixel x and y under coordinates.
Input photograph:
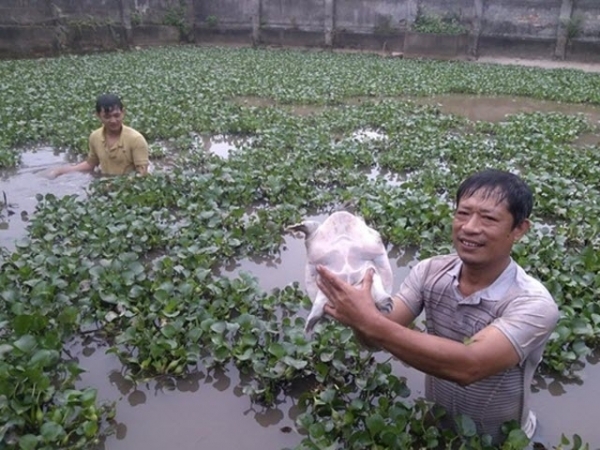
{"type": "Point", "coordinates": [482, 210]}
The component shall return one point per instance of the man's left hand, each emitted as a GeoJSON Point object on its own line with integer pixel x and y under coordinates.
{"type": "Point", "coordinates": [349, 305]}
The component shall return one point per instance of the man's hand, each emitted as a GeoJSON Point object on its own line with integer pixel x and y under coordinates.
{"type": "Point", "coordinates": [350, 305]}
{"type": "Point", "coordinates": [51, 174]}
{"type": "Point", "coordinates": [83, 166]}
{"type": "Point", "coordinates": [142, 169]}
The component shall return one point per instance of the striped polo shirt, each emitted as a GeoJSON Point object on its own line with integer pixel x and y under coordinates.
{"type": "Point", "coordinates": [517, 304]}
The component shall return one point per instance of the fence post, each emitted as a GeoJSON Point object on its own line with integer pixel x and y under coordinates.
{"type": "Point", "coordinates": [125, 8]}
{"type": "Point", "coordinates": [256, 12]}
{"type": "Point", "coordinates": [412, 10]}
{"type": "Point", "coordinates": [476, 31]}
{"type": "Point", "coordinates": [329, 22]}
{"type": "Point", "coordinates": [562, 32]}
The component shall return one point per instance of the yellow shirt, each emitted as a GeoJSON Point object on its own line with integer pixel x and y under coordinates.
{"type": "Point", "coordinates": [130, 151]}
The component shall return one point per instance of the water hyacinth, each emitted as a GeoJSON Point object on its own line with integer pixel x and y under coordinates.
{"type": "Point", "coordinates": [137, 262]}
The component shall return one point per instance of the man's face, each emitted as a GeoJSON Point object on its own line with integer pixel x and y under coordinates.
{"type": "Point", "coordinates": [112, 119]}
{"type": "Point", "coordinates": [482, 230]}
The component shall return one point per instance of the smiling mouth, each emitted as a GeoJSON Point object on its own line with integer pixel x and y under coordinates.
{"type": "Point", "coordinates": [470, 244]}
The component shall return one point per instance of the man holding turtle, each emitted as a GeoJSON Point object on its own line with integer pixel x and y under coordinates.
{"type": "Point", "coordinates": [487, 320]}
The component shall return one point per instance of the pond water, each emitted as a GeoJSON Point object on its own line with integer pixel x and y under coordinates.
{"type": "Point", "coordinates": [208, 409]}
{"type": "Point", "coordinates": [23, 184]}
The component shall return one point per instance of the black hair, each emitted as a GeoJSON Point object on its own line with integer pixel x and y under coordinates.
{"type": "Point", "coordinates": [108, 102]}
{"type": "Point", "coordinates": [504, 186]}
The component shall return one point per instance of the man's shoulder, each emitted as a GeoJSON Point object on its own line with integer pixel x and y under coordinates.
{"type": "Point", "coordinates": [131, 133]}
{"type": "Point", "coordinates": [440, 262]}
{"type": "Point", "coordinates": [97, 134]}
{"type": "Point", "coordinates": [529, 286]}
{"type": "Point", "coordinates": [436, 266]}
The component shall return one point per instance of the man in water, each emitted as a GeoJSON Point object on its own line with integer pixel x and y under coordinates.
{"type": "Point", "coordinates": [116, 148]}
{"type": "Point", "coordinates": [487, 320]}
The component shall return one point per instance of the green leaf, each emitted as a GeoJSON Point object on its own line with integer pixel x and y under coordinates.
{"type": "Point", "coordinates": [316, 431]}
{"type": "Point", "coordinates": [277, 350]}
{"type": "Point", "coordinates": [28, 442]}
{"type": "Point", "coordinates": [218, 327]}
{"type": "Point", "coordinates": [295, 363]}
{"type": "Point", "coordinates": [375, 424]}
{"type": "Point", "coordinates": [44, 357]}
{"type": "Point", "coordinates": [25, 343]}
{"type": "Point", "coordinates": [88, 397]}
{"type": "Point", "coordinates": [51, 431]}
{"type": "Point", "coordinates": [465, 425]}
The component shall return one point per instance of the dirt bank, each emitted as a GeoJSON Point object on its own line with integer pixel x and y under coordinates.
{"type": "Point", "coordinates": [543, 63]}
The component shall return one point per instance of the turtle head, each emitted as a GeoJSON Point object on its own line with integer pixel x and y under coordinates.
{"type": "Point", "coordinates": [307, 227]}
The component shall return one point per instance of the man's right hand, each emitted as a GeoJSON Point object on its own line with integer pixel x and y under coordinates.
{"type": "Point", "coordinates": [51, 174]}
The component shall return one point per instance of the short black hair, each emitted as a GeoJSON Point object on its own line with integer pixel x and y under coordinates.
{"type": "Point", "coordinates": [505, 186]}
{"type": "Point", "coordinates": [108, 102]}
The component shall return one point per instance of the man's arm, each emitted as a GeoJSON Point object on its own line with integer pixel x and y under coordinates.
{"type": "Point", "coordinates": [487, 353]}
{"type": "Point", "coordinates": [140, 155]}
{"type": "Point", "coordinates": [400, 314]}
{"type": "Point", "coordinates": [142, 169]}
{"type": "Point", "coordinates": [84, 166]}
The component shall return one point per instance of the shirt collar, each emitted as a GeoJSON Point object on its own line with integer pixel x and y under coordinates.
{"type": "Point", "coordinates": [119, 142]}
{"type": "Point", "coordinates": [494, 292]}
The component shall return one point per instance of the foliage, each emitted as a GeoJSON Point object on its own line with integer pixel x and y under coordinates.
{"type": "Point", "coordinates": [140, 259]}
{"type": "Point", "coordinates": [136, 18]}
{"type": "Point", "coordinates": [573, 26]}
{"type": "Point", "coordinates": [8, 157]}
{"type": "Point", "coordinates": [89, 21]}
{"type": "Point", "coordinates": [428, 23]}
{"type": "Point", "coordinates": [175, 16]}
{"type": "Point", "coordinates": [212, 21]}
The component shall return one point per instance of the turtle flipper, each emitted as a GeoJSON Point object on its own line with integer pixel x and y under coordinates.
{"type": "Point", "coordinates": [316, 312]}
{"type": "Point", "coordinates": [383, 300]}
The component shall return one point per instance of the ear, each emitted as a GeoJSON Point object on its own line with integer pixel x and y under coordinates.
{"type": "Point", "coordinates": [519, 231]}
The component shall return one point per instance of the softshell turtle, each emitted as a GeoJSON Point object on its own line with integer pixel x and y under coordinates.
{"type": "Point", "coordinates": [348, 247]}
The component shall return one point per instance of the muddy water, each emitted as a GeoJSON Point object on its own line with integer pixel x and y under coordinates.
{"type": "Point", "coordinates": [23, 184]}
{"type": "Point", "coordinates": [496, 109]}
{"type": "Point", "coordinates": [207, 410]}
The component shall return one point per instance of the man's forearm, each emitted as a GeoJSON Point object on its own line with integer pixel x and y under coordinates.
{"type": "Point", "coordinates": [84, 166]}
{"type": "Point", "coordinates": [433, 355]}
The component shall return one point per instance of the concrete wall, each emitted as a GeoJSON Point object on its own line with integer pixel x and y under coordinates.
{"type": "Point", "coordinates": [306, 15]}
{"type": "Point", "coordinates": [534, 27]}
{"type": "Point", "coordinates": [228, 13]}
{"type": "Point", "coordinates": [364, 16]}
{"type": "Point", "coordinates": [528, 18]}
{"type": "Point", "coordinates": [589, 12]}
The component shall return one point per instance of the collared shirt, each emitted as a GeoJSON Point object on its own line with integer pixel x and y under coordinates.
{"type": "Point", "coordinates": [515, 303]}
{"type": "Point", "coordinates": [129, 151]}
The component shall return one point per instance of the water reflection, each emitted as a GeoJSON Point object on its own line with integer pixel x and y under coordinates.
{"type": "Point", "coordinates": [496, 109]}
{"type": "Point", "coordinates": [197, 411]}
{"type": "Point", "coordinates": [21, 185]}
{"type": "Point", "coordinates": [223, 145]}
{"type": "Point", "coordinates": [136, 398]}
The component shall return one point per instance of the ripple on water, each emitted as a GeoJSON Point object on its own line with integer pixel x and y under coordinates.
{"type": "Point", "coordinates": [22, 184]}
